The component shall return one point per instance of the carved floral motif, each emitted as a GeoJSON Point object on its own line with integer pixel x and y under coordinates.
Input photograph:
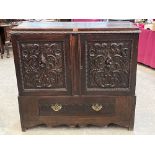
{"type": "Point", "coordinates": [108, 64]}
{"type": "Point", "coordinates": [42, 64]}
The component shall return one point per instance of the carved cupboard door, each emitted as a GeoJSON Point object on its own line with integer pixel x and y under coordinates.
{"type": "Point", "coordinates": [106, 64]}
{"type": "Point", "coordinates": [43, 63]}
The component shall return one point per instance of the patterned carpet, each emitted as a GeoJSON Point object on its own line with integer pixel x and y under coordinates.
{"type": "Point", "coordinates": [9, 114]}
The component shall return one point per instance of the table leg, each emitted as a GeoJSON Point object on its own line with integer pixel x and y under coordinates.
{"type": "Point", "coordinates": [2, 51]}
{"type": "Point", "coordinates": [7, 50]}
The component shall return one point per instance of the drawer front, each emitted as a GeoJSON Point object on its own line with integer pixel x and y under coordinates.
{"type": "Point", "coordinates": [65, 110]}
{"type": "Point", "coordinates": [49, 108]}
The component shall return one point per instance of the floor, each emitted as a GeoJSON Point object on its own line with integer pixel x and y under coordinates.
{"type": "Point", "coordinates": [9, 114]}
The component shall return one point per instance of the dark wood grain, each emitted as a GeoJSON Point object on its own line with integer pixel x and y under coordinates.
{"type": "Point", "coordinates": [76, 67]}
{"type": "Point", "coordinates": [108, 64]}
{"type": "Point", "coordinates": [36, 110]}
{"type": "Point", "coordinates": [44, 64]}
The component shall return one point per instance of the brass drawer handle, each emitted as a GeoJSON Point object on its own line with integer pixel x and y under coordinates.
{"type": "Point", "coordinates": [97, 107]}
{"type": "Point", "coordinates": [56, 107]}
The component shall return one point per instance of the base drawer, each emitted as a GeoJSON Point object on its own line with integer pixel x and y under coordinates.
{"type": "Point", "coordinates": [55, 111]}
{"type": "Point", "coordinates": [49, 108]}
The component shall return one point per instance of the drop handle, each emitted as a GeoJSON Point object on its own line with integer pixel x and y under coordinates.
{"type": "Point", "coordinates": [56, 107]}
{"type": "Point", "coordinates": [97, 107]}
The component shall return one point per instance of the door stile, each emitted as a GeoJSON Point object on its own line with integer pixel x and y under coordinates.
{"type": "Point", "coordinates": [75, 67]}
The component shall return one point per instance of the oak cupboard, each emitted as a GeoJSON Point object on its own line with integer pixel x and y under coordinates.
{"type": "Point", "coordinates": [76, 74]}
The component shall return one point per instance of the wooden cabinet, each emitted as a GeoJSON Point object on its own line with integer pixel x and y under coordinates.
{"type": "Point", "coordinates": [76, 73]}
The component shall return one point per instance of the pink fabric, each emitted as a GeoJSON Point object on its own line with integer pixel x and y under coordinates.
{"type": "Point", "coordinates": [146, 48]}
{"type": "Point", "coordinates": [139, 25]}
{"type": "Point", "coordinates": [86, 20]}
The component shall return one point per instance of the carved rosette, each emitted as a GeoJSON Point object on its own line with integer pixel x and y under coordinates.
{"type": "Point", "coordinates": [42, 65]}
{"type": "Point", "coordinates": [108, 64]}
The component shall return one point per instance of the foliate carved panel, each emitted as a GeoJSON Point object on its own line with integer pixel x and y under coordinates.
{"type": "Point", "coordinates": [42, 65]}
{"type": "Point", "coordinates": [108, 64]}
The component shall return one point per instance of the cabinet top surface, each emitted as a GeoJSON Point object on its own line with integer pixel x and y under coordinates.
{"type": "Point", "coordinates": [76, 26]}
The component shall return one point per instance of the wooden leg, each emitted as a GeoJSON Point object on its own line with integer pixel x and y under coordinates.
{"type": "Point", "coordinates": [131, 127]}
{"type": "Point", "coordinates": [23, 129]}
{"type": "Point", "coordinates": [2, 51]}
{"type": "Point", "coordinates": [1, 48]}
{"type": "Point", "coordinates": [7, 50]}
{"type": "Point", "coordinates": [132, 115]}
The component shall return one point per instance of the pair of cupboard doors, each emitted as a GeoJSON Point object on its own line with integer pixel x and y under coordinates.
{"type": "Point", "coordinates": [60, 64]}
